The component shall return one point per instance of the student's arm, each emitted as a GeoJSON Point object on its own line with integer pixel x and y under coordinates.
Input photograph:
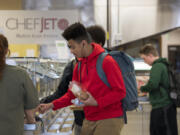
{"type": "Point", "coordinates": [66, 99]}
{"type": "Point", "coordinates": [31, 100]}
{"type": "Point", "coordinates": [63, 85]}
{"type": "Point", "coordinates": [30, 116]}
{"type": "Point", "coordinates": [154, 80]}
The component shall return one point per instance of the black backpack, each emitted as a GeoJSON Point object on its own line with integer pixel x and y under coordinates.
{"type": "Point", "coordinates": [174, 82]}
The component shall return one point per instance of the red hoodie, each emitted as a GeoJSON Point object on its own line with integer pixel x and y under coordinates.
{"type": "Point", "coordinates": [108, 99]}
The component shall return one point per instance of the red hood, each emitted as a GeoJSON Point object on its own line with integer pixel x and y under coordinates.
{"type": "Point", "coordinates": [97, 49]}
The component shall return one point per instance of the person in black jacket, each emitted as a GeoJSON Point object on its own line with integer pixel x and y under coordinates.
{"type": "Point", "coordinates": [98, 35]}
{"type": "Point", "coordinates": [63, 85]}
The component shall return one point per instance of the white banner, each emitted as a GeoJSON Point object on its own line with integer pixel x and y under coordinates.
{"type": "Point", "coordinates": [35, 27]}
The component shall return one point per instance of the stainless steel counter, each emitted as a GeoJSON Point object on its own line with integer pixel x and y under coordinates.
{"type": "Point", "coordinates": [60, 122]}
{"type": "Point", "coordinates": [53, 123]}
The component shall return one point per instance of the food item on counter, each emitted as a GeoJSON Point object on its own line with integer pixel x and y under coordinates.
{"type": "Point", "coordinates": [66, 129]}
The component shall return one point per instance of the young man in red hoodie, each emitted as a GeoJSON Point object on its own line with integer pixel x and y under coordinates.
{"type": "Point", "coordinates": [103, 108]}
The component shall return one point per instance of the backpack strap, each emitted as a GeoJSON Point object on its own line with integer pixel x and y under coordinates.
{"type": "Point", "coordinates": [170, 76]}
{"type": "Point", "coordinates": [79, 65]}
{"type": "Point", "coordinates": [172, 81]}
{"type": "Point", "coordinates": [79, 69]}
{"type": "Point", "coordinates": [125, 116]}
{"type": "Point", "coordinates": [99, 68]}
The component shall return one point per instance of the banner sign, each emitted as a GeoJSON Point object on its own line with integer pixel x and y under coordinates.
{"type": "Point", "coordinates": [35, 27]}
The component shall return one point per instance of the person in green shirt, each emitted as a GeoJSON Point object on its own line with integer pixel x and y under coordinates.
{"type": "Point", "coordinates": [18, 96]}
{"type": "Point", "coordinates": [163, 119]}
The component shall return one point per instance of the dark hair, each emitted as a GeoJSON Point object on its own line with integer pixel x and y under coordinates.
{"type": "Point", "coordinates": [97, 33]}
{"type": "Point", "coordinates": [76, 32]}
{"type": "Point", "coordinates": [3, 49]}
{"type": "Point", "coordinates": [148, 49]}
